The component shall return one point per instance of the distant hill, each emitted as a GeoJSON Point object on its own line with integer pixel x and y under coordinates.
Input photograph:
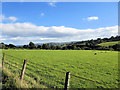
{"type": "Point", "coordinates": [54, 43]}
{"type": "Point", "coordinates": [109, 43]}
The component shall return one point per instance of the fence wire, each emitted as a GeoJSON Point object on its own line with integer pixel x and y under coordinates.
{"type": "Point", "coordinates": [41, 74]}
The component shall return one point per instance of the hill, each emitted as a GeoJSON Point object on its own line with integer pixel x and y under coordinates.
{"type": "Point", "coordinates": [53, 43]}
{"type": "Point", "coordinates": [97, 44]}
{"type": "Point", "coordinates": [109, 43]}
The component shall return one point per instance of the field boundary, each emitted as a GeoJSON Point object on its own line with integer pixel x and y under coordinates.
{"type": "Point", "coordinates": [67, 77]}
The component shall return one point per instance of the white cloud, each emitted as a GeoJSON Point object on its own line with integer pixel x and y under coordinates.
{"type": "Point", "coordinates": [11, 18]}
{"type": "Point", "coordinates": [118, 30]}
{"type": "Point", "coordinates": [92, 18]}
{"type": "Point", "coordinates": [22, 33]}
{"type": "Point", "coordinates": [2, 39]}
{"type": "Point", "coordinates": [52, 4]}
{"type": "Point", "coordinates": [42, 14]}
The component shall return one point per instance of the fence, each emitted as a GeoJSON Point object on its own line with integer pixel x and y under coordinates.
{"type": "Point", "coordinates": [38, 67]}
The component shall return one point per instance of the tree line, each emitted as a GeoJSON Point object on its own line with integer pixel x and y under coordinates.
{"type": "Point", "coordinates": [82, 45]}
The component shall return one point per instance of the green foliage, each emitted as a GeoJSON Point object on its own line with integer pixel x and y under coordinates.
{"type": "Point", "coordinates": [98, 44]}
{"type": "Point", "coordinates": [2, 46]}
{"type": "Point", "coordinates": [45, 46]}
{"type": "Point", "coordinates": [58, 47]}
{"type": "Point", "coordinates": [116, 47]}
{"type": "Point", "coordinates": [47, 68]}
{"type": "Point", "coordinates": [53, 47]}
{"type": "Point", "coordinates": [32, 45]}
{"type": "Point", "coordinates": [39, 47]}
{"type": "Point", "coordinates": [26, 46]}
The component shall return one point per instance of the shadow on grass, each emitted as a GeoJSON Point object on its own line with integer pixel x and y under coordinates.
{"type": "Point", "coordinates": [9, 82]}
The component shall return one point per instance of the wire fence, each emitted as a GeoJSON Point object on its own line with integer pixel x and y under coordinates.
{"type": "Point", "coordinates": [38, 74]}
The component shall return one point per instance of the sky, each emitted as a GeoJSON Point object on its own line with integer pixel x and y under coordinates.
{"type": "Point", "coordinates": [42, 22]}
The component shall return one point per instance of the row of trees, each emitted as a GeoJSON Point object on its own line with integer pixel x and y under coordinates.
{"type": "Point", "coordinates": [83, 45]}
{"type": "Point", "coordinates": [44, 46]}
{"type": "Point", "coordinates": [87, 46]}
{"type": "Point", "coordinates": [30, 46]}
{"type": "Point", "coordinates": [99, 40]}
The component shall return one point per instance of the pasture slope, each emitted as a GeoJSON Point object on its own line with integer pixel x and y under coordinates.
{"type": "Point", "coordinates": [47, 68]}
{"type": "Point", "coordinates": [109, 43]}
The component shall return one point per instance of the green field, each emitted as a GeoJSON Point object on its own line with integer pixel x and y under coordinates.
{"type": "Point", "coordinates": [47, 68]}
{"type": "Point", "coordinates": [109, 43]}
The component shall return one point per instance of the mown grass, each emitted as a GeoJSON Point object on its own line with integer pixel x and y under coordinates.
{"type": "Point", "coordinates": [109, 43]}
{"type": "Point", "coordinates": [47, 68]}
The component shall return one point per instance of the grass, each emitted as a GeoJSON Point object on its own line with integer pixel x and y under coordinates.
{"type": "Point", "coordinates": [109, 43]}
{"type": "Point", "coordinates": [8, 81]}
{"type": "Point", "coordinates": [47, 68]}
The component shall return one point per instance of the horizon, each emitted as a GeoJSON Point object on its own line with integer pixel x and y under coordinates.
{"type": "Point", "coordinates": [56, 42]}
{"type": "Point", "coordinates": [44, 22]}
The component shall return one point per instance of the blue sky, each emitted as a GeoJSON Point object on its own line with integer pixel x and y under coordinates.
{"type": "Point", "coordinates": [57, 22]}
{"type": "Point", "coordinates": [64, 14]}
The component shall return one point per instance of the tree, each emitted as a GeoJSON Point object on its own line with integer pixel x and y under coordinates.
{"type": "Point", "coordinates": [2, 46]}
{"type": "Point", "coordinates": [39, 47]}
{"type": "Point", "coordinates": [32, 45]}
{"type": "Point", "coordinates": [112, 38]}
{"type": "Point", "coordinates": [58, 47]}
{"type": "Point", "coordinates": [64, 48]}
{"type": "Point", "coordinates": [25, 46]}
{"type": "Point", "coordinates": [87, 44]}
{"type": "Point", "coordinates": [74, 47]}
{"type": "Point", "coordinates": [53, 47]}
{"type": "Point", "coordinates": [99, 40]}
{"type": "Point", "coordinates": [116, 47]}
{"type": "Point", "coordinates": [11, 46]}
{"type": "Point", "coordinates": [78, 48]}
{"type": "Point", "coordinates": [111, 49]}
{"type": "Point", "coordinates": [45, 46]}
{"type": "Point", "coordinates": [69, 47]}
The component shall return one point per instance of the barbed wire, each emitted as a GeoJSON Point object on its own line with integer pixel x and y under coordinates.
{"type": "Point", "coordinates": [72, 74]}
{"type": "Point", "coordinates": [12, 65]}
{"type": "Point", "coordinates": [32, 64]}
{"type": "Point", "coordinates": [85, 78]}
{"type": "Point", "coordinates": [36, 64]}
{"type": "Point", "coordinates": [13, 57]}
{"type": "Point", "coordinates": [47, 67]}
{"type": "Point", "coordinates": [12, 62]}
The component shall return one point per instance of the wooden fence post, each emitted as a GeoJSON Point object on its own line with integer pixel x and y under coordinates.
{"type": "Point", "coordinates": [3, 60]}
{"type": "Point", "coordinates": [23, 70]}
{"type": "Point", "coordinates": [67, 80]}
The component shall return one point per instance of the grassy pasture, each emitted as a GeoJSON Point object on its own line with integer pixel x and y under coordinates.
{"type": "Point", "coordinates": [47, 68]}
{"type": "Point", "coordinates": [109, 43]}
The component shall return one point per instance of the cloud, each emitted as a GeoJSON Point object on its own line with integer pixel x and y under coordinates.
{"type": "Point", "coordinates": [11, 18]}
{"type": "Point", "coordinates": [119, 30]}
{"type": "Point", "coordinates": [52, 4]}
{"type": "Point", "coordinates": [92, 18]}
{"type": "Point", "coordinates": [22, 33]}
{"type": "Point", "coordinates": [42, 14]}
